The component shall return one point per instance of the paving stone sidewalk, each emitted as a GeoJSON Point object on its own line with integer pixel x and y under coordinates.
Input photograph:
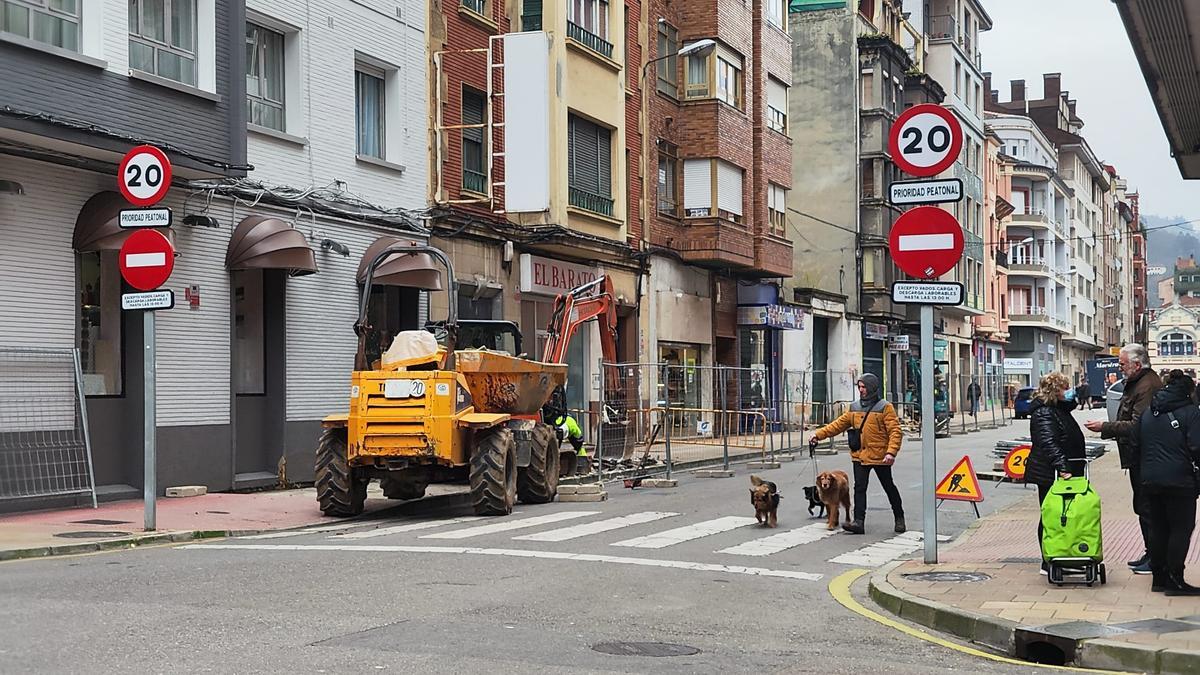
{"type": "Point", "coordinates": [1120, 625]}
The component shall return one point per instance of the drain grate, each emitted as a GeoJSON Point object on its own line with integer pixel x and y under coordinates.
{"type": "Point", "coordinates": [99, 521]}
{"type": "Point", "coordinates": [948, 577]}
{"type": "Point", "coordinates": [91, 534]}
{"type": "Point", "coordinates": [653, 649]}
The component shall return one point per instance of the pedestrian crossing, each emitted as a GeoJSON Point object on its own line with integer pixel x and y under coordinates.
{"type": "Point", "coordinates": [555, 527]}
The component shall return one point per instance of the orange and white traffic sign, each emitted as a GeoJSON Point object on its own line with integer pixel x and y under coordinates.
{"type": "Point", "coordinates": [960, 484]}
{"type": "Point", "coordinates": [1014, 463]}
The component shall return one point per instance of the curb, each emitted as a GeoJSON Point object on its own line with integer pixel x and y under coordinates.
{"type": "Point", "coordinates": [1000, 634]}
{"type": "Point", "coordinates": [183, 536]}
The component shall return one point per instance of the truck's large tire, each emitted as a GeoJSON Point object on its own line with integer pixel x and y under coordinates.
{"type": "Point", "coordinates": [341, 492]}
{"type": "Point", "coordinates": [538, 482]}
{"type": "Point", "coordinates": [494, 472]}
{"type": "Point", "coordinates": [396, 487]}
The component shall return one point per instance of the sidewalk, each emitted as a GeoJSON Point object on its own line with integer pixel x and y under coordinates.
{"type": "Point", "coordinates": [119, 524]}
{"type": "Point", "coordinates": [1009, 606]}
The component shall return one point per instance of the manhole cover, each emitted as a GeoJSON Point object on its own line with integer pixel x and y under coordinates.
{"type": "Point", "coordinates": [644, 649]}
{"type": "Point", "coordinates": [100, 521]}
{"type": "Point", "coordinates": [948, 577]}
{"type": "Point", "coordinates": [91, 534]}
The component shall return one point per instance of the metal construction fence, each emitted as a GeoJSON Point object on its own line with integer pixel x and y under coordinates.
{"type": "Point", "coordinates": [651, 418]}
{"type": "Point", "coordinates": [44, 445]}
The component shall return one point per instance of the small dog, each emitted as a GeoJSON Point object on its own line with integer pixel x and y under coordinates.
{"type": "Point", "coordinates": [834, 489]}
{"type": "Point", "coordinates": [765, 498]}
{"type": "Point", "coordinates": [814, 501]}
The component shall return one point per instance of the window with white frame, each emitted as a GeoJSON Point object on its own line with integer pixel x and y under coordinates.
{"type": "Point", "coordinates": [777, 209]}
{"type": "Point", "coordinates": [50, 22]}
{"type": "Point", "coordinates": [162, 38]}
{"type": "Point", "coordinates": [777, 93]}
{"type": "Point", "coordinates": [704, 196]}
{"type": "Point", "coordinates": [777, 13]}
{"type": "Point", "coordinates": [370, 111]}
{"type": "Point", "coordinates": [264, 77]}
{"type": "Point", "coordinates": [590, 15]}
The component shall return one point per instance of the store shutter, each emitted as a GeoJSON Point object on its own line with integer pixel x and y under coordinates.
{"type": "Point", "coordinates": [697, 186]}
{"type": "Point", "coordinates": [729, 187]}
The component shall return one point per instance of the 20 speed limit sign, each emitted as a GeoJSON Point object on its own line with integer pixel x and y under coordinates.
{"type": "Point", "coordinates": [926, 140]}
{"type": "Point", "coordinates": [144, 175]}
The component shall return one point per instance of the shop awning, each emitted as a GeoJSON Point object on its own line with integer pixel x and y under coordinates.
{"type": "Point", "coordinates": [265, 243]}
{"type": "Point", "coordinates": [96, 226]}
{"type": "Point", "coordinates": [415, 270]}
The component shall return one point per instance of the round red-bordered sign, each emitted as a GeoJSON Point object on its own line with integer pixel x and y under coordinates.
{"type": "Point", "coordinates": [926, 242]}
{"type": "Point", "coordinates": [1015, 461]}
{"type": "Point", "coordinates": [925, 140]}
{"type": "Point", "coordinates": [146, 259]}
{"type": "Point", "coordinates": [144, 175]}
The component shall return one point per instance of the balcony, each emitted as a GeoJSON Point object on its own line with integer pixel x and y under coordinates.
{"type": "Point", "coordinates": [1038, 317]}
{"type": "Point", "coordinates": [711, 242]}
{"type": "Point", "coordinates": [591, 202]}
{"type": "Point", "coordinates": [590, 40]}
{"type": "Point", "coordinates": [773, 256]}
{"type": "Point", "coordinates": [1038, 218]}
{"type": "Point", "coordinates": [1036, 266]}
{"type": "Point", "coordinates": [473, 181]}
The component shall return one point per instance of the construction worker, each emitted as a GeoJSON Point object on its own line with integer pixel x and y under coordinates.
{"type": "Point", "coordinates": [568, 430]}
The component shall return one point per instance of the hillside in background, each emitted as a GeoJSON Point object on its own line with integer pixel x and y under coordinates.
{"type": "Point", "coordinates": [1165, 245]}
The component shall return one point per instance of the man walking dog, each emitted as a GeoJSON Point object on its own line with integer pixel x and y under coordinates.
{"type": "Point", "coordinates": [874, 434]}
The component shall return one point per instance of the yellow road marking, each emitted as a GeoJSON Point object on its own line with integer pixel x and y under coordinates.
{"type": "Point", "coordinates": [839, 588]}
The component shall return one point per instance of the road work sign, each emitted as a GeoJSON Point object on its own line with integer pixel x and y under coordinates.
{"type": "Point", "coordinates": [960, 484]}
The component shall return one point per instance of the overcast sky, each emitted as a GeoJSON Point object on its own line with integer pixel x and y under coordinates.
{"type": "Point", "coordinates": [1086, 41]}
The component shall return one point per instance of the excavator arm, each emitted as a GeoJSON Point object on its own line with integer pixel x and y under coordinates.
{"type": "Point", "coordinates": [593, 300]}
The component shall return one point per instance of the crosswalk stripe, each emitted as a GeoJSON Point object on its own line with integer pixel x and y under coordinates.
{"type": "Point", "coordinates": [409, 527]}
{"type": "Point", "coordinates": [585, 529]}
{"type": "Point", "coordinates": [306, 530]}
{"type": "Point", "coordinates": [518, 553]}
{"type": "Point", "coordinates": [688, 532]}
{"type": "Point", "coordinates": [885, 551]}
{"type": "Point", "coordinates": [782, 541]}
{"type": "Point", "coordinates": [509, 524]}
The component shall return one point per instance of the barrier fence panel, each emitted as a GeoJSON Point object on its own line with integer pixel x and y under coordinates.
{"type": "Point", "coordinates": [980, 403]}
{"type": "Point", "coordinates": [44, 446]}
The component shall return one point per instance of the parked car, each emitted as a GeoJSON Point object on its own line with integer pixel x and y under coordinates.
{"type": "Point", "coordinates": [1113, 399]}
{"type": "Point", "coordinates": [1022, 402]}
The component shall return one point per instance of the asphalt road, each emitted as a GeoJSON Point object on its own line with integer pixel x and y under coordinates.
{"type": "Point", "coordinates": [419, 591]}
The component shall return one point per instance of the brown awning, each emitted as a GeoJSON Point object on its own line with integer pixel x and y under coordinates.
{"type": "Point", "coordinates": [415, 270]}
{"type": "Point", "coordinates": [96, 227]}
{"type": "Point", "coordinates": [263, 243]}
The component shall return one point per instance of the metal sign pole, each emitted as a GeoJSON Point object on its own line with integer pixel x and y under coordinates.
{"type": "Point", "coordinates": [150, 431]}
{"type": "Point", "coordinates": [928, 440]}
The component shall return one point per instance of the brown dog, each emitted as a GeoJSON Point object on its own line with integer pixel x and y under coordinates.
{"type": "Point", "coordinates": [834, 489]}
{"type": "Point", "coordinates": [765, 498]}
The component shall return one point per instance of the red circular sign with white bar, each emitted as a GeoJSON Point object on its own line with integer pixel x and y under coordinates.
{"type": "Point", "coordinates": [146, 259]}
{"type": "Point", "coordinates": [925, 140]}
{"type": "Point", "coordinates": [144, 175]}
{"type": "Point", "coordinates": [926, 242]}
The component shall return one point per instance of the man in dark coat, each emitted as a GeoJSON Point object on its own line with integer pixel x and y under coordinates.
{"type": "Point", "coordinates": [1170, 449]}
{"type": "Point", "coordinates": [1141, 383]}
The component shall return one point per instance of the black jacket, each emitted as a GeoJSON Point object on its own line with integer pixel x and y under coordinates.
{"type": "Point", "coordinates": [1167, 453]}
{"type": "Point", "coordinates": [1057, 439]}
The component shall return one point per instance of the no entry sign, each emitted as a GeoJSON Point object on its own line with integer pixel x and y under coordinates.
{"type": "Point", "coordinates": [926, 139]}
{"type": "Point", "coordinates": [926, 242]}
{"type": "Point", "coordinates": [144, 175]}
{"type": "Point", "coordinates": [146, 259]}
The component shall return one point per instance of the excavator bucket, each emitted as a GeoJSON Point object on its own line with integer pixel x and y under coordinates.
{"type": "Point", "coordinates": [500, 383]}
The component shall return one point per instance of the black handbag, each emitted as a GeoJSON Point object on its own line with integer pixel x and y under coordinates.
{"type": "Point", "coordinates": [854, 436]}
{"type": "Point", "coordinates": [1176, 424]}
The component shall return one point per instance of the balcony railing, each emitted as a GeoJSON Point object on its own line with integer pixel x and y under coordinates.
{"type": "Point", "coordinates": [1028, 265]}
{"type": "Point", "coordinates": [941, 27]}
{"type": "Point", "coordinates": [591, 202]}
{"type": "Point", "coordinates": [473, 181]}
{"type": "Point", "coordinates": [590, 40]}
{"type": "Point", "coordinates": [476, 6]}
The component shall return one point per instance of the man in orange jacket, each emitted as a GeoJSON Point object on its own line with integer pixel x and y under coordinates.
{"type": "Point", "coordinates": [875, 437]}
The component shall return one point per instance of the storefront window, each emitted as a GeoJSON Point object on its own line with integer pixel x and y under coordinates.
{"type": "Point", "coordinates": [100, 323]}
{"type": "Point", "coordinates": [679, 383]}
{"type": "Point", "coordinates": [249, 345]}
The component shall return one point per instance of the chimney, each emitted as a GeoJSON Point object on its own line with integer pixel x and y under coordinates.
{"type": "Point", "coordinates": [1052, 83]}
{"type": "Point", "coordinates": [1071, 106]}
{"type": "Point", "coordinates": [1018, 91]}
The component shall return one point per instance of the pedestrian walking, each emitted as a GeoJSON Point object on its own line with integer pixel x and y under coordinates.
{"type": "Point", "coordinates": [1082, 395]}
{"type": "Point", "coordinates": [1057, 439]}
{"type": "Point", "coordinates": [874, 435]}
{"type": "Point", "coordinates": [973, 394]}
{"type": "Point", "coordinates": [1141, 383]}
{"type": "Point", "coordinates": [1169, 436]}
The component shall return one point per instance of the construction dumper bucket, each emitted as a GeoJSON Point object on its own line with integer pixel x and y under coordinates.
{"type": "Point", "coordinates": [500, 383]}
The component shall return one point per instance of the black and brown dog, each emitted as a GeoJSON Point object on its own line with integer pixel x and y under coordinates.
{"type": "Point", "coordinates": [765, 498]}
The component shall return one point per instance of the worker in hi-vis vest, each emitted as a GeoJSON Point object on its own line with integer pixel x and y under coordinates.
{"type": "Point", "coordinates": [568, 430]}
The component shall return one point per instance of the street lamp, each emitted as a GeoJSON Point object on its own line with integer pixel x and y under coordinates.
{"type": "Point", "coordinates": [698, 48]}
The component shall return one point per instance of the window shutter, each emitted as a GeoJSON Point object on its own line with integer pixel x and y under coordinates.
{"type": "Point", "coordinates": [776, 95]}
{"type": "Point", "coordinates": [472, 113]}
{"type": "Point", "coordinates": [590, 166]}
{"type": "Point", "coordinates": [729, 188]}
{"type": "Point", "coordinates": [697, 184]}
